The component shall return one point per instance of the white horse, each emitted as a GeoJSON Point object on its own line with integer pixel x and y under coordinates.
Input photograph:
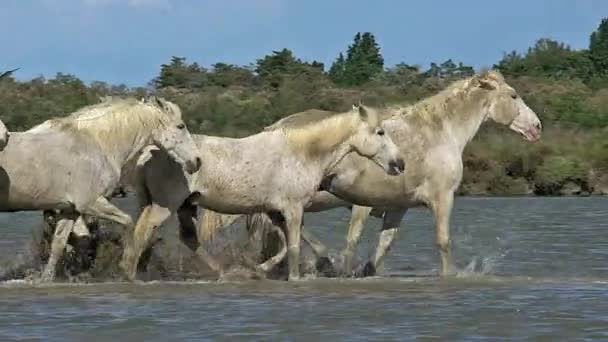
{"type": "Point", "coordinates": [432, 135]}
{"type": "Point", "coordinates": [275, 172]}
{"type": "Point", "coordinates": [69, 164]}
{"type": "Point", "coordinates": [4, 135]}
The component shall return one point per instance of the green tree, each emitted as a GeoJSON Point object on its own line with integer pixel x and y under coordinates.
{"type": "Point", "coordinates": [336, 71]}
{"type": "Point", "coordinates": [363, 61]}
{"type": "Point", "coordinates": [179, 74]}
{"type": "Point", "coordinates": [226, 75]}
{"type": "Point", "coordinates": [274, 68]}
{"type": "Point", "coordinates": [548, 58]}
{"type": "Point", "coordinates": [598, 48]}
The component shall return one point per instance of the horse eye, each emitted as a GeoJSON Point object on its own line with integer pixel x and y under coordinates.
{"type": "Point", "coordinates": [514, 96]}
{"type": "Point", "coordinates": [181, 126]}
{"type": "Point", "coordinates": [380, 132]}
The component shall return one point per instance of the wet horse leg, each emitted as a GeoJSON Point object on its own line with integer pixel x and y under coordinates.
{"type": "Point", "coordinates": [278, 227]}
{"type": "Point", "coordinates": [151, 217]}
{"type": "Point", "coordinates": [102, 208]}
{"type": "Point", "coordinates": [358, 218]}
{"type": "Point", "coordinates": [390, 223]}
{"type": "Point", "coordinates": [60, 239]}
{"type": "Point", "coordinates": [293, 223]}
{"type": "Point", "coordinates": [323, 263]}
{"type": "Point", "coordinates": [189, 236]}
{"type": "Point", "coordinates": [442, 208]}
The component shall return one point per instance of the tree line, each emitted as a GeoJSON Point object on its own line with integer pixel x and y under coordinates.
{"type": "Point", "coordinates": [568, 88]}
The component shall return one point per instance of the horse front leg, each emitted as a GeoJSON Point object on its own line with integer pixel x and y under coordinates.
{"type": "Point", "coordinates": [358, 218]}
{"type": "Point", "coordinates": [390, 223]}
{"type": "Point", "coordinates": [442, 208]}
{"type": "Point", "coordinates": [323, 264]}
{"type": "Point", "coordinates": [60, 239]}
{"type": "Point", "coordinates": [293, 223]}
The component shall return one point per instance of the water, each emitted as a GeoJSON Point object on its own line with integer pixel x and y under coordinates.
{"type": "Point", "coordinates": [532, 268]}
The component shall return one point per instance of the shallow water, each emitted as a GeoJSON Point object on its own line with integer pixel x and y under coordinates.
{"type": "Point", "coordinates": [532, 268]}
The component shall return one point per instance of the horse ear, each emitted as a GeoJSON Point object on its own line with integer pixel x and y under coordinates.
{"type": "Point", "coordinates": [487, 83]}
{"type": "Point", "coordinates": [363, 112]}
{"type": "Point", "coordinates": [161, 103]}
{"type": "Point", "coordinates": [487, 79]}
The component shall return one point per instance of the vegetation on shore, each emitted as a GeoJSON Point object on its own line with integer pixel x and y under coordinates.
{"type": "Point", "coordinates": [567, 88]}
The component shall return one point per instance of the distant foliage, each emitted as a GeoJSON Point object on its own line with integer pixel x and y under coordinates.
{"type": "Point", "coordinates": [568, 88]}
{"type": "Point", "coordinates": [363, 62]}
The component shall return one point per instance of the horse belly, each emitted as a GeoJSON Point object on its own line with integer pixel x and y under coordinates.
{"type": "Point", "coordinates": [231, 202]}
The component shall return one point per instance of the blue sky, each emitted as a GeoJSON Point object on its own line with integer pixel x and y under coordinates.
{"type": "Point", "coordinates": [125, 41]}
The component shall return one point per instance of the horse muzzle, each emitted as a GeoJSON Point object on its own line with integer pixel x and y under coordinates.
{"type": "Point", "coordinates": [396, 166]}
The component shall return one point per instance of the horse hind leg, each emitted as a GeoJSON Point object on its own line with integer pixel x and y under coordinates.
{"type": "Point", "coordinates": [151, 217]}
{"type": "Point", "coordinates": [60, 239]}
{"type": "Point", "coordinates": [390, 224]}
{"type": "Point", "coordinates": [358, 218]}
{"type": "Point", "coordinates": [102, 208]}
{"type": "Point", "coordinates": [277, 228]}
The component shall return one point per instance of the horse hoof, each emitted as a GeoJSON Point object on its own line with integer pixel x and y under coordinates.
{"type": "Point", "coordinates": [369, 270]}
{"type": "Point", "coordinates": [325, 267]}
{"type": "Point", "coordinates": [46, 278]}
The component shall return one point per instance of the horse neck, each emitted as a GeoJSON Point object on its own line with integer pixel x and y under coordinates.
{"type": "Point", "coordinates": [328, 162]}
{"type": "Point", "coordinates": [124, 145]}
{"type": "Point", "coordinates": [331, 153]}
{"type": "Point", "coordinates": [464, 122]}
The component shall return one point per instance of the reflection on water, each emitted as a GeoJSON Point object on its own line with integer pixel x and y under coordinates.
{"type": "Point", "coordinates": [532, 268]}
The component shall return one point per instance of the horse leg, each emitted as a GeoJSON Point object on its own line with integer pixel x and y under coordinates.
{"type": "Point", "coordinates": [390, 223]}
{"type": "Point", "coordinates": [152, 216]}
{"type": "Point", "coordinates": [293, 223]}
{"type": "Point", "coordinates": [323, 263]}
{"type": "Point", "coordinates": [358, 218]}
{"type": "Point", "coordinates": [60, 239]}
{"type": "Point", "coordinates": [102, 208]}
{"type": "Point", "coordinates": [442, 208]}
{"type": "Point", "coordinates": [189, 236]}
{"type": "Point", "coordinates": [278, 227]}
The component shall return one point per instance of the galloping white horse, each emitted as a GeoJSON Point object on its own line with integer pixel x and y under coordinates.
{"type": "Point", "coordinates": [4, 135]}
{"type": "Point", "coordinates": [275, 172]}
{"type": "Point", "coordinates": [432, 135]}
{"type": "Point", "coordinates": [71, 163]}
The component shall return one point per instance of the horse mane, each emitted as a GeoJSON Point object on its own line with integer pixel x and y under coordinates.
{"type": "Point", "coordinates": [435, 109]}
{"type": "Point", "coordinates": [301, 119]}
{"type": "Point", "coordinates": [315, 132]}
{"type": "Point", "coordinates": [118, 112]}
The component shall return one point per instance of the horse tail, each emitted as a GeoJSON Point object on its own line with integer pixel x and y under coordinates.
{"type": "Point", "coordinates": [213, 221]}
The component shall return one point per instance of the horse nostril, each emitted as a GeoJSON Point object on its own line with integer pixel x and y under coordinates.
{"type": "Point", "coordinates": [397, 164]}
{"type": "Point", "coordinates": [538, 126]}
{"type": "Point", "coordinates": [400, 164]}
{"type": "Point", "coordinates": [199, 163]}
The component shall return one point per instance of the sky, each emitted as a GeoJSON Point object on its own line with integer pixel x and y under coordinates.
{"type": "Point", "coordinates": [126, 41]}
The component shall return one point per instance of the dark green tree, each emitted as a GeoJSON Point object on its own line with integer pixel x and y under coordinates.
{"type": "Point", "coordinates": [226, 75]}
{"type": "Point", "coordinates": [363, 61]}
{"type": "Point", "coordinates": [598, 48]}
{"type": "Point", "coordinates": [179, 74]}
{"type": "Point", "coordinates": [336, 71]}
{"type": "Point", "coordinates": [274, 68]}
{"type": "Point", "coordinates": [548, 58]}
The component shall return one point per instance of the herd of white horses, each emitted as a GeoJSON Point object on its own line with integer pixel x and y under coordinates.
{"type": "Point", "coordinates": [378, 161]}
